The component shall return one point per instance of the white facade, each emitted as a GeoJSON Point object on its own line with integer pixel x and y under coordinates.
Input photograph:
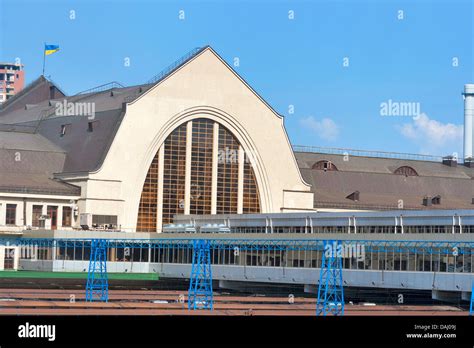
{"type": "Point", "coordinates": [24, 203]}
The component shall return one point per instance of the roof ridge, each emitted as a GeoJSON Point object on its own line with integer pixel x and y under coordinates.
{"type": "Point", "coordinates": [365, 172]}
{"type": "Point", "coordinates": [375, 153]}
{"type": "Point", "coordinates": [170, 69]}
{"type": "Point", "coordinates": [101, 88]}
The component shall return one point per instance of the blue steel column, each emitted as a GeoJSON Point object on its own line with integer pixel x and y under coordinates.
{"type": "Point", "coordinates": [330, 288]}
{"type": "Point", "coordinates": [200, 284]}
{"type": "Point", "coordinates": [97, 288]}
{"type": "Point", "coordinates": [472, 300]}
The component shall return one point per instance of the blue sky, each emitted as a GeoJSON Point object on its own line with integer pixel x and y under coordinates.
{"type": "Point", "coordinates": [416, 51]}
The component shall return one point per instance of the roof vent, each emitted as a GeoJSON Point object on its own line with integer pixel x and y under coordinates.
{"type": "Point", "coordinates": [111, 93]}
{"type": "Point", "coordinates": [469, 162]}
{"type": "Point", "coordinates": [90, 126]}
{"type": "Point", "coordinates": [64, 128]}
{"type": "Point", "coordinates": [140, 90]}
{"type": "Point", "coordinates": [354, 196]}
{"type": "Point", "coordinates": [52, 92]}
{"type": "Point", "coordinates": [427, 201]}
{"type": "Point", "coordinates": [450, 161]}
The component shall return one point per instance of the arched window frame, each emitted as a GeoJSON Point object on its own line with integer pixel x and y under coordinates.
{"type": "Point", "coordinates": [325, 165]}
{"type": "Point", "coordinates": [405, 170]}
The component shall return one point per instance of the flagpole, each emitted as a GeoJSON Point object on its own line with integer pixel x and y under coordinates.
{"type": "Point", "coordinates": [44, 56]}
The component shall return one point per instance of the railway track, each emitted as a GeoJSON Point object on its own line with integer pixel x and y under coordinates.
{"type": "Point", "coordinates": [140, 302]}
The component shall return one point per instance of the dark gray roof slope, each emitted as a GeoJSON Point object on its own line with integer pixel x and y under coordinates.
{"type": "Point", "coordinates": [379, 188]}
{"type": "Point", "coordinates": [27, 141]}
{"type": "Point", "coordinates": [39, 90]}
{"type": "Point", "coordinates": [27, 164]}
{"type": "Point", "coordinates": [85, 150]}
{"type": "Point", "coordinates": [36, 184]}
{"type": "Point", "coordinates": [384, 165]}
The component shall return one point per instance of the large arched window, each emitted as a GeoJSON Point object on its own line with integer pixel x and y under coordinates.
{"type": "Point", "coordinates": [211, 177]}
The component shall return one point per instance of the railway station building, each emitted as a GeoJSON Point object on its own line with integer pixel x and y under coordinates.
{"type": "Point", "coordinates": [196, 151]}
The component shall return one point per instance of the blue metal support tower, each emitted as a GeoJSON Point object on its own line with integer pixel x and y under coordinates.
{"type": "Point", "coordinates": [200, 285]}
{"type": "Point", "coordinates": [472, 300]}
{"type": "Point", "coordinates": [330, 289]}
{"type": "Point", "coordinates": [97, 288]}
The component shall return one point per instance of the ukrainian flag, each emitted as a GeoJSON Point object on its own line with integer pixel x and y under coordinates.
{"type": "Point", "coordinates": [50, 49]}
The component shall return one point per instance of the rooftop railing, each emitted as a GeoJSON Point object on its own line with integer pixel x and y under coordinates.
{"type": "Point", "coordinates": [167, 71]}
{"type": "Point", "coordinates": [170, 68]}
{"type": "Point", "coordinates": [367, 153]}
{"type": "Point", "coordinates": [101, 88]}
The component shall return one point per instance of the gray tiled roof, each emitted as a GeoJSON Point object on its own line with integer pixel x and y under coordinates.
{"type": "Point", "coordinates": [384, 165]}
{"type": "Point", "coordinates": [381, 189]}
{"type": "Point", "coordinates": [85, 150]}
{"type": "Point", "coordinates": [35, 183]}
{"type": "Point", "coordinates": [27, 141]}
{"type": "Point", "coordinates": [28, 163]}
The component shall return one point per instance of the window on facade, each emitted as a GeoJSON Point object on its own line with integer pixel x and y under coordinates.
{"type": "Point", "coordinates": [37, 212]}
{"type": "Point", "coordinates": [436, 200]}
{"type": "Point", "coordinates": [324, 165]}
{"type": "Point", "coordinates": [427, 201]}
{"type": "Point", "coordinates": [52, 211]}
{"type": "Point", "coordinates": [174, 174]}
{"type": "Point", "coordinates": [67, 216]}
{"type": "Point", "coordinates": [227, 172]}
{"type": "Point", "coordinates": [201, 166]}
{"type": "Point", "coordinates": [10, 217]}
{"type": "Point", "coordinates": [406, 170]}
{"type": "Point", "coordinates": [148, 208]}
{"type": "Point", "coordinates": [251, 203]}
